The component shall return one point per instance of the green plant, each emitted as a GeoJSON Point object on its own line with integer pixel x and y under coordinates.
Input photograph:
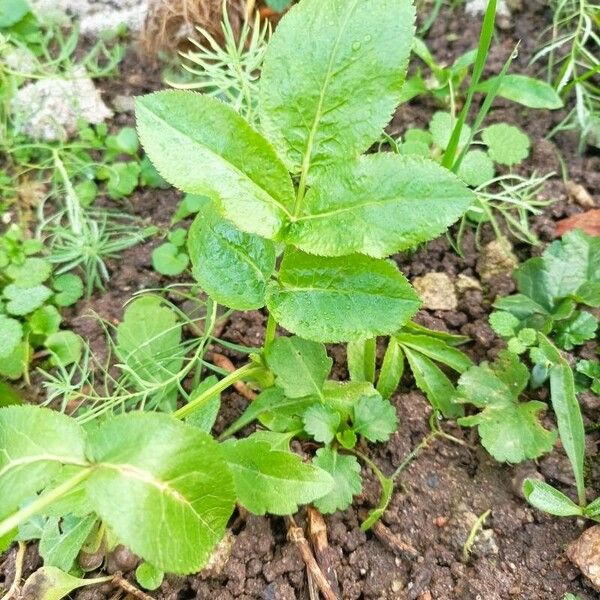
{"type": "Point", "coordinates": [573, 61]}
{"type": "Point", "coordinates": [551, 288]}
{"type": "Point", "coordinates": [30, 296]}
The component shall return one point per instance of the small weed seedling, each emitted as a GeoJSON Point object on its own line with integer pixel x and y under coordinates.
{"type": "Point", "coordinates": [551, 288]}
{"type": "Point", "coordinates": [30, 298]}
{"type": "Point", "coordinates": [295, 218]}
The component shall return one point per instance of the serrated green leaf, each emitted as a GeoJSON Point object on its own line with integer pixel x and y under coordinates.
{"type": "Point", "coordinates": [35, 441]}
{"type": "Point", "coordinates": [329, 64]}
{"type": "Point", "coordinates": [392, 369]}
{"type": "Point", "coordinates": [504, 323]}
{"type": "Point", "coordinates": [62, 539]}
{"type": "Point", "coordinates": [268, 480]}
{"type": "Point", "coordinates": [507, 144]}
{"type": "Point", "coordinates": [343, 396]}
{"type": "Point", "coordinates": [510, 431]}
{"type": "Point", "coordinates": [321, 422]}
{"type": "Point", "coordinates": [24, 300]}
{"type": "Point", "coordinates": [525, 90]}
{"type": "Point", "coordinates": [168, 259]}
{"type": "Point", "coordinates": [345, 471]}
{"type": "Point", "coordinates": [11, 334]}
{"type": "Point", "coordinates": [300, 366]}
{"type": "Point", "coordinates": [361, 356]}
{"type": "Point", "coordinates": [549, 499]}
{"type": "Point", "coordinates": [181, 130]}
{"type": "Point", "coordinates": [577, 330]}
{"type": "Point", "coordinates": [69, 289]}
{"type": "Point", "coordinates": [441, 127]}
{"type": "Point", "coordinates": [378, 205]}
{"type": "Point", "coordinates": [148, 460]}
{"type": "Point", "coordinates": [476, 168]}
{"type": "Point", "coordinates": [340, 299]}
{"type": "Point", "coordinates": [231, 266]}
{"type": "Point", "coordinates": [433, 382]}
{"type": "Point", "coordinates": [374, 418]}
{"type": "Point", "coordinates": [31, 273]}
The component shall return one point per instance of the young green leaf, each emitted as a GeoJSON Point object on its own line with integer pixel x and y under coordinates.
{"type": "Point", "coordinates": [168, 259]}
{"type": "Point", "coordinates": [374, 418]}
{"type": "Point", "coordinates": [231, 266]}
{"type": "Point", "coordinates": [11, 334]}
{"type": "Point", "coordinates": [321, 422]}
{"type": "Point", "coordinates": [504, 323]}
{"type": "Point", "coordinates": [530, 92]}
{"type": "Point", "coordinates": [204, 417]}
{"type": "Point", "coordinates": [62, 539]}
{"type": "Point", "coordinates": [507, 144]}
{"type": "Point", "coordinates": [510, 430]}
{"type": "Point", "coordinates": [268, 480]}
{"type": "Point", "coordinates": [148, 576]}
{"type": "Point", "coordinates": [31, 273]}
{"type": "Point", "coordinates": [549, 499]}
{"type": "Point", "coordinates": [45, 320]}
{"type": "Point", "coordinates": [345, 471]}
{"type": "Point", "coordinates": [300, 366]}
{"type": "Point", "coordinates": [65, 346]}
{"type": "Point", "coordinates": [580, 328]}
{"type": "Point", "coordinates": [340, 299]}
{"type": "Point", "coordinates": [147, 460]}
{"type": "Point", "coordinates": [24, 300]}
{"type": "Point", "coordinates": [441, 127]}
{"type": "Point", "coordinates": [476, 168]}
{"type": "Point", "coordinates": [361, 357]}
{"type": "Point", "coordinates": [329, 64]}
{"type": "Point", "coordinates": [181, 130]}
{"type": "Point", "coordinates": [68, 288]}
{"type": "Point", "coordinates": [436, 349]}
{"type": "Point", "coordinates": [378, 205]}
{"type": "Point", "coordinates": [391, 370]}
{"type": "Point", "coordinates": [36, 442]}
{"type": "Point", "coordinates": [50, 583]}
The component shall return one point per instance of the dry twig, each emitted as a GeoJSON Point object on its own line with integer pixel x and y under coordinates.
{"type": "Point", "coordinates": [317, 530]}
{"type": "Point", "coordinates": [13, 590]}
{"type": "Point", "coordinates": [221, 361]}
{"type": "Point", "coordinates": [129, 588]}
{"type": "Point", "coordinates": [393, 541]}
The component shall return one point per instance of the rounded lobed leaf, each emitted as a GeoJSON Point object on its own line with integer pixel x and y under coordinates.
{"type": "Point", "coordinates": [378, 205]}
{"type": "Point", "coordinates": [507, 144]}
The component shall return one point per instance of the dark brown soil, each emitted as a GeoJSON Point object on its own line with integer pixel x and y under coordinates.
{"type": "Point", "coordinates": [523, 554]}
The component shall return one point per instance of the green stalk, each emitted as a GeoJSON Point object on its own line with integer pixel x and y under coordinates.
{"type": "Point", "coordinates": [43, 501]}
{"type": "Point", "coordinates": [244, 372]}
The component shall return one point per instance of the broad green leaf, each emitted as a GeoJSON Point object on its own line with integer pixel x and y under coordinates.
{"type": "Point", "coordinates": [361, 357]}
{"type": "Point", "coordinates": [231, 266]}
{"type": "Point", "coordinates": [203, 146]}
{"type": "Point", "coordinates": [34, 443]}
{"type": "Point", "coordinates": [268, 480]}
{"type": "Point", "coordinates": [392, 369]}
{"type": "Point", "coordinates": [168, 259]}
{"type": "Point", "coordinates": [510, 430]}
{"type": "Point", "coordinates": [33, 272]}
{"type": "Point", "coordinates": [276, 439]}
{"type": "Point", "coordinates": [50, 583]}
{"type": "Point", "coordinates": [11, 333]}
{"type": "Point", "coordinates": [436, 349]}
{"type": "Point", "coordinates": [476, 168]}
{"type": "Point", "coordinates": [533, 282]}
{"type": "Point", "coordinates": [300, 366]}
{"type": "Point", "coordinates": [69, 288]}
{"type": "Point", "coordinates": [507, 144]}
{"type": "Point", "coordinates": [527, 91]}
{"type": "Point", "coordinates": [332, 77]}
{"type": "Point", "coordinates": [374, 418]}
{"type": "Point", "coordinates": [14, 364]}
{"type": "Point", "coordinates": [45, 320]}
{"type": "Point", "coordinates": [441, 127]}
{"type": "Point", "coordinates": [62, 539]}
{"type": "Point", "coordinates": [343, 396]}
{"type": "Point", "coordinates": [65, 346]}
{"type": "Point", "coordinates": [549, 499]}
{"type": "Point", "coordinates": [162, 487]}
{"type": "Point", "coordinates": [12, 11]}
{"type": "Point", "coordinates": [345, 471]}
{"type": "Point", "coordinates": [340, 299]}
{"type": "Point", "coordinates": [148, 576]}
{"type": "Point", "coordinates": [24, 300]}
{"type": "Point", "coordinates": [149, 341]}
{"type": "Point", "coordinates": [204, 417]}
{"type": "Point", "coordinates": [321, 422]}
{"type": "Point", "coordinates": [378, 205]}
{"type": "Point", "coordinates": [433, 382]}
{"type": "Point", "coordinates": [9, 395]}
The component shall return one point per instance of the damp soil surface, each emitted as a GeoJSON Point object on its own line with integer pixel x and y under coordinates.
{"type": "Point", "coordinates": [520, 551]}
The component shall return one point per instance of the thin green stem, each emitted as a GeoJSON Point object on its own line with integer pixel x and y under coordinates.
{"type": "Point", "coordinates": [43, 501]}
{"type": "Point", "coordinates": [244, 372]}
{"type": "Point", "coordinates": [270, 330]}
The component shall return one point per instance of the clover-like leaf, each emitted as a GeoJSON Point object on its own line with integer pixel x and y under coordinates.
{"type": "Point", "coordinates": [45, 320]}
{"type": "Point", "coordinates": [300, 366]}
{"type": "Point", "coordinates": [168, 259]}
{"type": "Point", "coordinates": [31, 273]}
{"type": "Point", "coordinates": [69, 288]}
{"type": "Point", "coordinates": [345, 471]}
{"type": "Point", "coordinates": [321, 422]}
{"type": "Point", "coordinates": [476, 168]}
{"type": "Point", "coordinates": [378, 205]}
{"type": "Point", "coordinates": [231, 266]}
{"type": "Point", "coordinates": [268, 480]}
{"type": "Point", "coordinates": [340, 299]}
{"type": "Point", "coordinates": [202, 146]}
{"type": "Point", "coordinates": [329, 64]}
{"type": "Point", "coordinates": [510, 430]}
{"type": "Point", "coordinates": [24, 300]}
{"type": "Point", "coordinates": [374, 418]}
{"type": "Point", "coordinates": [507, 144]}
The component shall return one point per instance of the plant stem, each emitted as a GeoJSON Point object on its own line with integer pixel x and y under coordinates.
{"type": "Point", "coordinates": [43, 501]}
{"type": "Point", "coordinates": [270, 330]}
{"type": "Point", "coordinates": [243, 372]}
